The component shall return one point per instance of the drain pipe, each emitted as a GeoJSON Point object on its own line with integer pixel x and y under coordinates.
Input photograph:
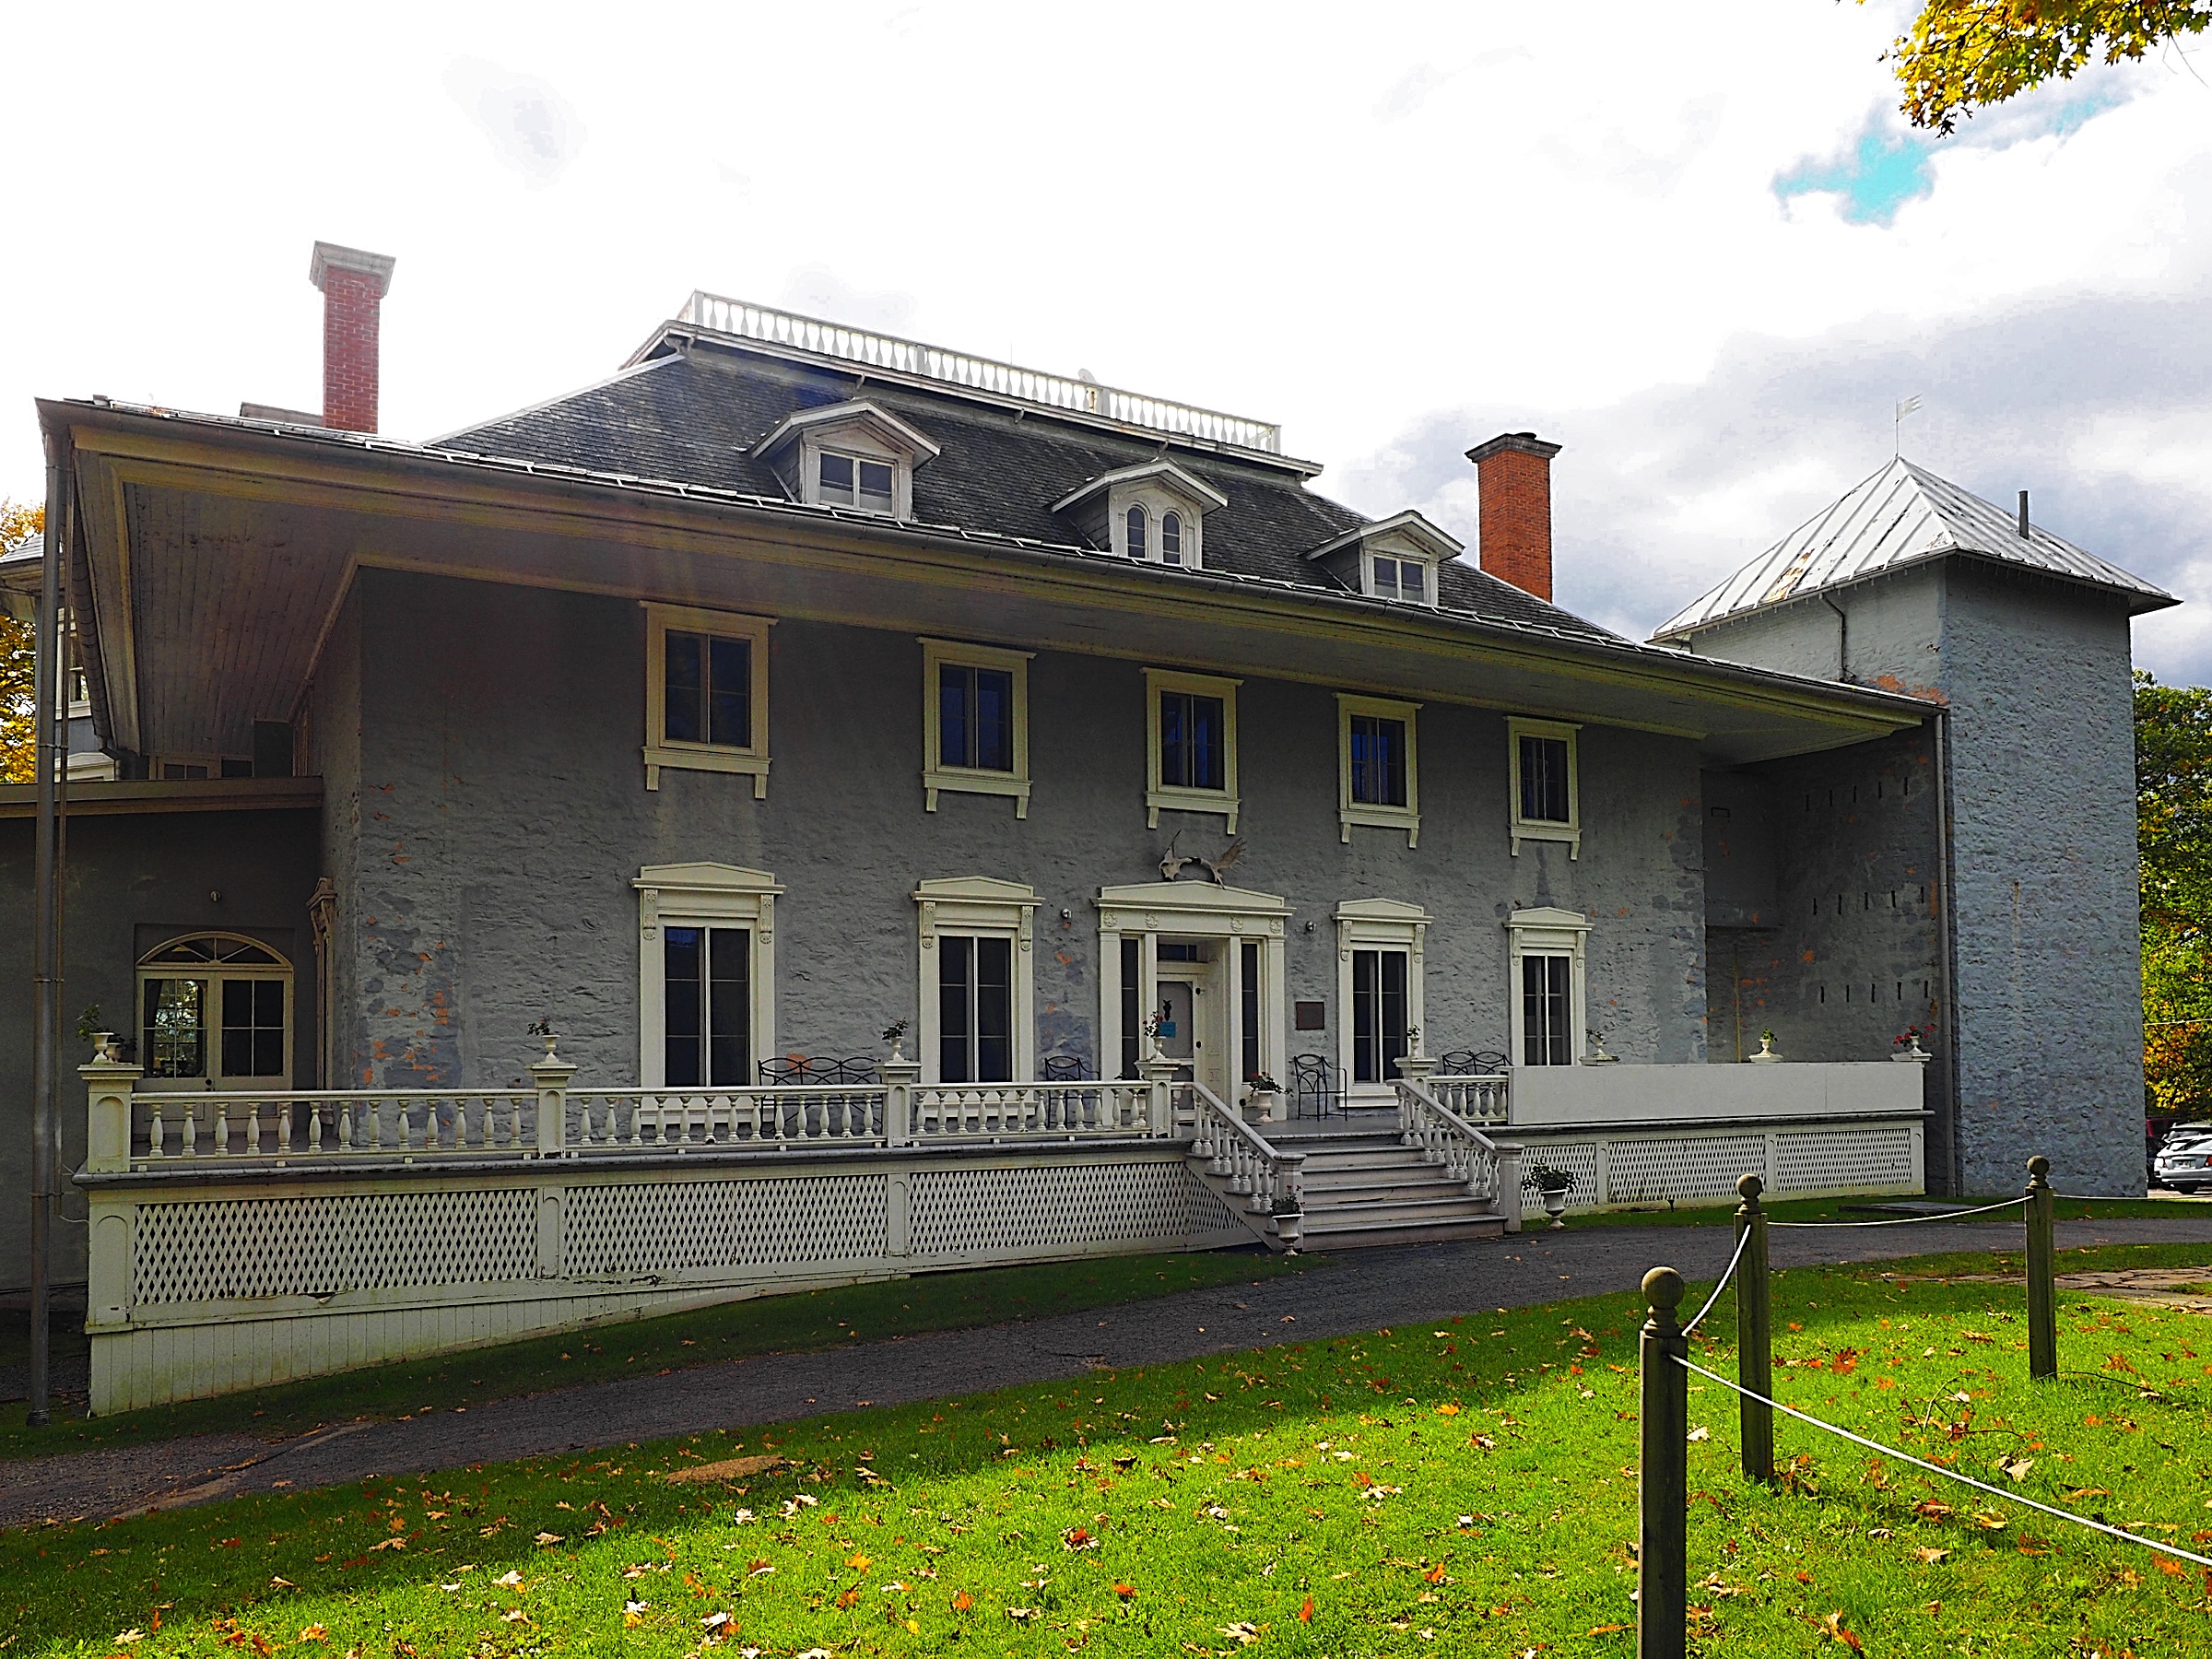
{"type": "Point", "coordinates": [49, 751]}
{"type": "Point", "coordinates": [1947, 957]}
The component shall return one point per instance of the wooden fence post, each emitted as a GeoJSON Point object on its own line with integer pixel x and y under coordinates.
{"type": "Point", "coordinates": [1754, 1334]}
{"type": "Point", "coordinates": [1663, 1485]}
{"type": "Point", "coordinates": [2042, 1299]}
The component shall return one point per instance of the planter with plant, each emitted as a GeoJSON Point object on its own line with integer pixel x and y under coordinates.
{"type": "Point", "coordinates": [1552, 1186]}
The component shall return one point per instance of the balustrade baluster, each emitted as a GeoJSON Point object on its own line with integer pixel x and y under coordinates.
{"type": "Point", "coordinates": [154, 1135]}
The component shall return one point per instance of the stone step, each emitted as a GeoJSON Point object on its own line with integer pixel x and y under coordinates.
{"type": "Point", "coordinates": [1411, 1208]}
{"type": "Point", "coordinates": [1373, 1232]}
{"type": "Point", "coordinates": [1414, 1186]}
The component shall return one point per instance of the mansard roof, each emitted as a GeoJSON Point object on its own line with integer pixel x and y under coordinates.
{"type": "Point", "coordinates": [692, 410]}
{"type": "Point", "coordinates": [1902, 515]}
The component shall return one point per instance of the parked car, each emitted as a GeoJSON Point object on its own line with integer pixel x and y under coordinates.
{"type": "Point", "coordinates": [2184, 1158]}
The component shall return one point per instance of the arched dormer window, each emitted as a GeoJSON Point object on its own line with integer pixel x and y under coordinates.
{"type": "Point", "coordinates": [1170, 538]}
{"type": "Point", "coordinates": [1137, 533]}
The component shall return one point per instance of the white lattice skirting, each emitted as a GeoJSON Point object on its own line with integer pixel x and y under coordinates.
{"type": "Point", "coordinates": [1692, 1166]}
{"type": "Point", "coordinates": [200, 1289]}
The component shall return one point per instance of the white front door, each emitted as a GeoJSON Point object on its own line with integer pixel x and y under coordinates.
{"type": "Point", "coordinates": [1194, 1007]}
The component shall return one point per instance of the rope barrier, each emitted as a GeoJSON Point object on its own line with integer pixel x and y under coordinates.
{"type": "Point", "coordinates": [2083, 1521]}
{"type": "Point", "coordinates": [1907, 1221]}
{"type": "Point", "coordinates": [1727, 1272]}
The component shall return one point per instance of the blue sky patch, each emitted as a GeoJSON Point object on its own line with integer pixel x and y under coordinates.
{"type": "Point", "coordinates": [1881, 172]}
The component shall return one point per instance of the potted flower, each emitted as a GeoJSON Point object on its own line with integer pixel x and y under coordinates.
{"type": "Point", "coordinates": [1552, 1186]}
{"type": "Point", "coordinates": [1263, 1098]}
{"type": "Point", "coordinates": [1289, 1219]}
{"type": "Point", "coordinates": [1766, 1056]}
{"type": "Point", "coordinates": [895, 1034]}
{"type": "Point", "coordinates": [1905, 1046]}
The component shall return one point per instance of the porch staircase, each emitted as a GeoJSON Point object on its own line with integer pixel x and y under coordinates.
{"type": "Point", "coordinates": [1364, 1189]}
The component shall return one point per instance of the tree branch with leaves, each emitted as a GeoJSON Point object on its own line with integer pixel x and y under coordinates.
{"type": "Point", "coordinates": [18, 659]}
{"type": "Point", "coordinates": [1964, 55]}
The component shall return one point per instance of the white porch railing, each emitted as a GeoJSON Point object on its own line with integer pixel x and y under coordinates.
{"type": "Point", "coordinates": [1479, 1097]}
{"type": "Point", "coordinates": [130, 1127]}
{"type": "Point", "coordinates": [1270, 1181]}
{"type": "Point", "coordinates": [1491, 1170]}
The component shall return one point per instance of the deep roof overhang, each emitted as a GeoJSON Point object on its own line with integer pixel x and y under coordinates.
{"type": "Point", "coordinates": [212, 554]}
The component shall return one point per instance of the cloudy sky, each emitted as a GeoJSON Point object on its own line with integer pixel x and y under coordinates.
{"type": "Point", "coordinates": [1693, 242]}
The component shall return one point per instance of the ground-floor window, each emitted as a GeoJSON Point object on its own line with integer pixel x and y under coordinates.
{"type": "Point", "coordinates": [707, 1000]}
{"type": "Point", "coordinates": [1547, 1010]}
{"type": "Point", "coordinates": [975, 1009]}
{"type": "Point", "coordinates": [1379, 1013]}
{"type": "Point", "coordinates": [217, 1009]}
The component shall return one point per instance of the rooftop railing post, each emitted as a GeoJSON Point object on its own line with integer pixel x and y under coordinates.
{"type": "Point", "coordinates": [1663, 1485]}
{"type": "Point", "coordinates": [551, 1074]}
{"type": "Point", "coordinates": [2042, 1299]}
{"type": "Point", "coordinates": [1754, 1334]}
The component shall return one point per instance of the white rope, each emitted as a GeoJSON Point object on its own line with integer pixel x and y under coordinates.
{"type": "Point", "coordinates": [1726, 1274]}
{"type": "Point", "coordinates": [1907, 1221]}
{"type": "Point", "coordinates": [1983, 1486]}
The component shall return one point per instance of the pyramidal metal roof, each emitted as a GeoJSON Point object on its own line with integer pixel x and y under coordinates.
{"type": "Point", "coordinates": [1902, 515]}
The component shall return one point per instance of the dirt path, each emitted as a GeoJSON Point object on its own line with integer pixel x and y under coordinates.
{"type": "Point", "coordinates": [1361, 1292]}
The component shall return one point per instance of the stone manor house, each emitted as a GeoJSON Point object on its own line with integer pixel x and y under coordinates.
{"type": "Point", "coordinates": [816, 805]}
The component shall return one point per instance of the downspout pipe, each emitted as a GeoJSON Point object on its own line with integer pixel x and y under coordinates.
{"type": "Point", "coordinates": [49, 751]}
{"type": "Point", "coordinates": [1948, 934]}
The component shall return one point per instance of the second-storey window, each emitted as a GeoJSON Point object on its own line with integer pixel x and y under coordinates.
{"type": "Point", "coordinates": [706, 693]}
{"type": "Point", "coordinates": [1170, 538]}
{"type": "Point", "coordinates": [1137, 533]}
{"type": "Point", "coordinates": [1378, 760]}
{"type": "Point", "coordinates": [1194, 740]}
{"type": "Point", "coordinates": [707, 689]}
{"type": "Point", "coordinates": [707, 1007]}
{"type": "Point", "coordinates": [1547, 794]}
{"type": "Point", "coordinates": [975, 716]}
{"type": "Point", "coordinates": [975, 736]}
{"type": "Point", "coordinates": [849, 481]}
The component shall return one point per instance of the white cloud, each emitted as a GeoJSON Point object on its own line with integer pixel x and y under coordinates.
{"type": "Point", "coordinates": [1395, 229]}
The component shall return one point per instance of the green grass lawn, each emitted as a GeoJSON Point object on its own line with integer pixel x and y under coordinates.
{"type": "Point", "coordinates": [1466, 1486]}
{"type": "Point", "coordinates": [795, 1324]}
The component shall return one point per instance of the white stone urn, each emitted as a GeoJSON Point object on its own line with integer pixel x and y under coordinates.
{"type": "Point", "coordinates": [1766, 1056]}
{"type": "Point", "coordinates": [1911, 1053]}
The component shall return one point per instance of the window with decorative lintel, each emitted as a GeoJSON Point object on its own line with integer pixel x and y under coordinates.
{"type": "Point", "coordinates": [706, 693]}
{"type": "Point", "coordinates": [975, 722]}
{"type": "Point", "coordinates": [706, 975]}
{"type": "Point", "coordinates": [977, 980]}
{"type": "Point", "coordinates": [1380, 992]}
{"type": "Point", "coordinates": [1546, 793]}
{"type": "Point", "coordinates": [1547, 949]}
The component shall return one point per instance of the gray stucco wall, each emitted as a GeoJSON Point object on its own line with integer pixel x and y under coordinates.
{"type": "Point", "coordinates": [504, 816]}
{"type": "Point", "coordinates": [2040, 744]}
{"type": "Point", "coordinates": [134, 880]}
{"type": "Point", "coordinates": [2048, 952]}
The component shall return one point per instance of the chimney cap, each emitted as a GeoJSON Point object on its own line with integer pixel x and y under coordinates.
{"type": "Point", "coordinates": [1527, 443]}
{"type": "Point", "coordinates": [330, 257]}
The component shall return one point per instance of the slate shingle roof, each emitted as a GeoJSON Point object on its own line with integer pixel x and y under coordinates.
{"type": "Point", "coordinates": [695, 415]}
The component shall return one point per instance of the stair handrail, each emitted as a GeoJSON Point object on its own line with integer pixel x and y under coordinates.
{"type": "Point", "coordinates": [1271, 1181]}
{"type": "Point", "coordinates": [1491, 1170]}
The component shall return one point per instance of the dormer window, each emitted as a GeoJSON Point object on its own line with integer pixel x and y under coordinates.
{"type": "Point", "coordinates": [1396, 560]}
{"type": "Point", "coordinates": [1402, 580]}
{"type": "Point", "coordinates": [850, 481]}
{"type": "Point", "coordinates": [1154, 513]}
{"type": "Point", "coordinates": [854, 455]}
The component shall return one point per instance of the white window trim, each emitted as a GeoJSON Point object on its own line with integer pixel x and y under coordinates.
{"type": "Point", "coordinates": [704, 895]}
{"type": "Point", "coordinates": [1176, 798]}
{"type": "Point", "coordinates": [936, 775]}
{"type": "Point", "coordinates": [901, 490]}
{"type": "Point", "coordinates": [1350, 812]}
{"type": "Point", "coordinates": [1379, 925]}
{"type": "Point", "coordinates": [211, 1018]}
{"type": "Point", "coordinates": [751, 760]}
{"type": "Point", "coordinates": [981, 906]}
{"type": "Point", "coordinates": [1151, 911]}
{"type": "Point", "coordinates": [1548, 932]}
{"type": "Point", "coordinates": [1544, 829]}
{"type": "Point", "coordinates": [1374, 588]}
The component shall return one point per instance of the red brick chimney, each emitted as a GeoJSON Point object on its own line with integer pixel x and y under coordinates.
{"type": "Point", "coordinates": [1513, 475]}
{"type": "Point", "coordinates": [354, 285]}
